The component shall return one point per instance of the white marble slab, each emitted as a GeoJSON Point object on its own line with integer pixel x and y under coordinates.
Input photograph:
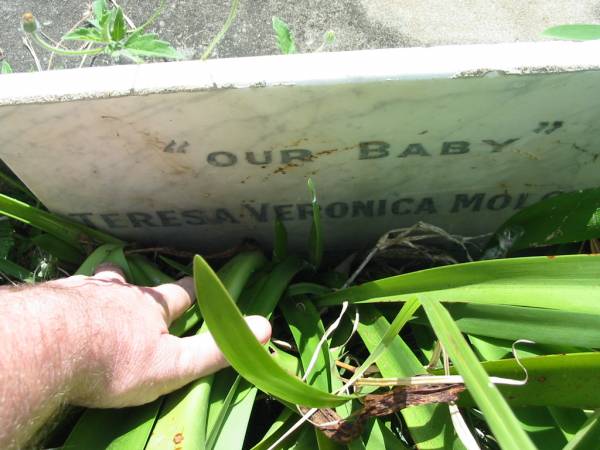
{"type": "Point", "coordinates": [202, 154]}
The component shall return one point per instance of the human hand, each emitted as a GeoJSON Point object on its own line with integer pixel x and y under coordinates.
{"type": "Point", "coordinates": [127, 356]}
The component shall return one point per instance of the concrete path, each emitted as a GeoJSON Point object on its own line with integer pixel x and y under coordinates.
{"type": "Point", "coordinates": [358, 24]}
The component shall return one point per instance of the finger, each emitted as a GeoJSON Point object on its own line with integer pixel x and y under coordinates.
{"type": "Point", "coordinates": [175, 298]}
{"type": "Point", "coordinates": [183, 360]}
{"type": "Point", "coordinates": [109, 272]}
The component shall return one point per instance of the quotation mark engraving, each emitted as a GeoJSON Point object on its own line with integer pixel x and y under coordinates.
{"type": "Point", "coordinates": [547, 127]}
{"type": "Point", "coordinates": [172, 147]}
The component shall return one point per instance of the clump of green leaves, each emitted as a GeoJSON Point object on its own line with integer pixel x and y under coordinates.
{"type": "Point", "coordinates": [286, 41]}
{"type": "Point", "coordinates": [106, 32]}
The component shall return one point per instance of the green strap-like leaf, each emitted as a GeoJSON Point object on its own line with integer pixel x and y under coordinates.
{"type": "Point", "coordinates": [60, 227]}
{"type": "Point", "coordinates": [568, 217]}
{"type": "Point", "coordinates": [186, 410]}
{"type": "Point", "coordinates": [575, 32]}
{"type": "Point", "coordinates": [429, 425]}
{"type": "Point", "coordinates": [544, 326]}
{"type": "Point", "coordinates": [315, 243]}
{"type": "Point", "coordinates": [113, 429]}
{"type": "Point", "coordinates": [403, 316]}
{"type": "Point", "coordinates": [281, 241]}
{"type": "Point", "coordinates": [568, 381]}
{"type": "Point", "coordinates": [589, 435]}
{"type": "Point", "coordinates": [307, 329]}
{"type": "Point", "coordinates": [241, 348]}
{"type": "Point", "coordinates": [60, 249]}
{"type": "Point", "coordinates": [568, 283]}
{"type": "Point", "coordinates": [95, 258]}
{"type": "Point", "coordinates": [7, 238]}
{"type": "Point", "coordinates": [499, 416]}
{"type": "Point", "coordinates": [14, 270]}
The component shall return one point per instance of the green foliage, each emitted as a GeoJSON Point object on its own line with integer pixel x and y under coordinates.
{"type": "Point", "coordinates": [498, 414]}
{"type": "Point", "coordinates": [589, 434]}
{"type": "Point", "coordinates": [568, 217]}
{"type": "Point", "coordinates": [315, 244]}
{"type": "Point", "coordinates": [242, 350]}
{"type": "Point", "coordinates": [429, 425]}
{"type": "Point", "coordinates": [188, 408]}
{"type": "Point", "coordinates": [284, 37]}
{"type": "Point", "coordinates": [575, 32]}
{"type": "Point", "coordinates": [5, 67]}
{"type": "Point", "coordinates": [565, 283]}
{"type": "Point", "coordinates": [7, 240]}
{"type": "Point", "coordinates": [559, 380]}
{"type": "Point", "coordinates": [544, 326]}
{"type": "Point", "coordinates": [107, 33]}
{"type": "Point", "coordinates": [281, 241]}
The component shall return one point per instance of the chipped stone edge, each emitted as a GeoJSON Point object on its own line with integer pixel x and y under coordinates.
{"type": "Point", "coordinates": [445, 62]}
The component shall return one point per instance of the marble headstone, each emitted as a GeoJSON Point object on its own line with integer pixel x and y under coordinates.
{"type": "Point", "coordinates": [200, 155]}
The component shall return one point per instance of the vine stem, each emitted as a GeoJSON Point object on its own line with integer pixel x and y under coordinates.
{"type": "Point", "coordinates": [38, 40]}
{"type": "Point", "coordinates": [221, 33]}
{"type": "Point", "coordinates": [86, 16]}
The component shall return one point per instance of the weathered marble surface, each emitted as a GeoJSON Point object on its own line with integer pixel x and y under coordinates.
{"type": "Point", "coordinates": [201, 155]}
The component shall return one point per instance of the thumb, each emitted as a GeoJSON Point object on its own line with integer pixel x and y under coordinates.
{"type": "Point", "coordinates": [182, 360]}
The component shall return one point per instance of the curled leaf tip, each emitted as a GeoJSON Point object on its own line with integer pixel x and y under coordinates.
{"type": "Point", "coordinates": [29, 22]}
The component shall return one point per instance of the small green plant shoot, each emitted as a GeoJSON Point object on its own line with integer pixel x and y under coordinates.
{"type": "Point", "coordinates": [106, 32]}
{"type": "Point", "coordinates": [287, 43]}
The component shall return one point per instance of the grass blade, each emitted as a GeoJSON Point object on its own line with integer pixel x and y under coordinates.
{"type": "Point", "coordinates": [280, 249]}
{"type": "Point", "coordinates": [498, 414]}
{"type": "Point", "coordinates": [315, 240]}
{"type": "Point", "coordinates": [241, 348]}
